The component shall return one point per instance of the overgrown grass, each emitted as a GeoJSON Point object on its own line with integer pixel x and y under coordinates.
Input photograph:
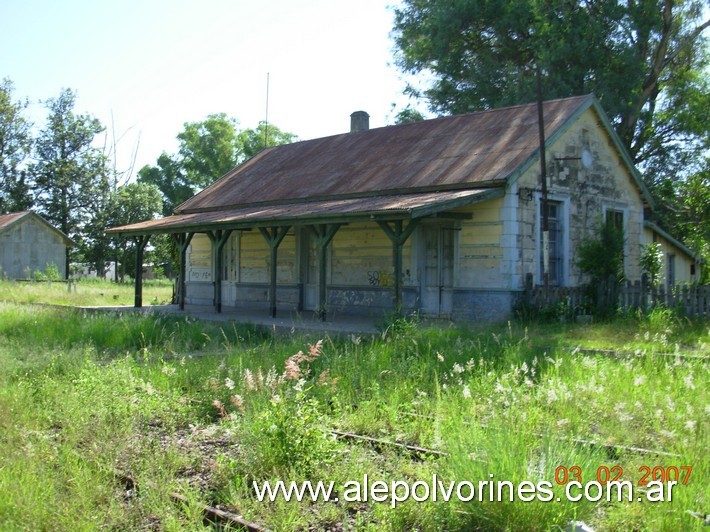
{"type": "Point", "coordinates": [204, 410]}
{"type": "Point", "coordinates": [88, 292]}
{"type": "Point", "coordinates": [661, 330]}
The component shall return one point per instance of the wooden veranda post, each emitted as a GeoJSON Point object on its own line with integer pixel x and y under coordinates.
{"type": "Point", "coordinates": [183, 240]}
{"type": "Point", "coordinates": [218, 238]}
{"type": "Point", "coordinates": [398, 235]}
{"type": "Point", "coordinates": [273, 236]}
{"type": "Point", "coordinates": [141, 241]}
{"type": "Point", "coordinates": [324, 233]}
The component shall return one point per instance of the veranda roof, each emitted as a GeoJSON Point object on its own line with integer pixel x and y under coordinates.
{"type": "Point", "coordinates": [390, 207]}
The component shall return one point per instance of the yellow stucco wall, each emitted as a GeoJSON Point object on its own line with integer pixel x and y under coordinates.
{"type": "Point", "coordinates": [199, 259]}
{"type": "Point", "coordinates": [479, 247]}
{"type": "Point", "coordinates": [246, 258]}
{"type": "Point", "coordinates": [683, 263]}
{"type": "Point", "coordinates": [254, 258]}
{"type": "Point", "coordinates": [361, 255]}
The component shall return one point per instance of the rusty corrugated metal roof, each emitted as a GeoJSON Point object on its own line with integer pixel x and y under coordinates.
{"type": "Point", "coordinates": [404, 171]}
{"type": "Point", "coordinates": [320, 211]}
{"type": "Point", "coordinates": [463, 151]}
{"type": "Point", "coordinates": [7, 219]}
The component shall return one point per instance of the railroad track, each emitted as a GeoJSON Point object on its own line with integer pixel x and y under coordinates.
{"type": "Point", "coordinates": [422, 453]}
{"type": "Point", "coordinates": [616, 353]}
{"type": "Point", "coordinates": [414, 450]}
{"type": "Point", "coordinates": [214, 515]}
{"type": "Point", "coordinates": [211, 514]}
{"type": "Point", "coordinates": [612, 450]}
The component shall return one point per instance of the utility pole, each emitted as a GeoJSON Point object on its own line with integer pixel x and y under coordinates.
{"type": "Point", "coordinates": [543, 178]}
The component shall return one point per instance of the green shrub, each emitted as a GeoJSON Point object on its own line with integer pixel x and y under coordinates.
{"type": "Point", "coordinates": [288, 436]}
{"type": "Point", "coordinates": [395, 324]}
{"type": "Point", "coordinates": [651, 261]}
{"type": "Point", "coordinates": [287, 433]}
{"type": "Point", "coordinates": [602, 258]}
{"type": "Point", "coordinates": [51, 273]}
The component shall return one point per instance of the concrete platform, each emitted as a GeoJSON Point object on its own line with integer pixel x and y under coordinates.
{"type": "Point", "coordinates": [284, 322]}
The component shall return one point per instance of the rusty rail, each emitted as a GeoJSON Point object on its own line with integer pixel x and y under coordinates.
{"type": "Point", "coordinates": [216, 515]}
{"type": "Point", "coordinates": [419, 452]}
{"type": "Point", "coordinates": [210, 513]}
{"type": "Point", "coordinates": [611, 449]}
{"type": "Point", "coordinates": [615, 353]}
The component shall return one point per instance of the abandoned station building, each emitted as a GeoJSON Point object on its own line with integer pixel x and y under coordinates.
{"type": "Point", "coordinates": [440, 216]}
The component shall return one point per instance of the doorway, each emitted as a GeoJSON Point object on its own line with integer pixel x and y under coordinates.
{"type": "Point", "coordinates": [437, 272]}
{"type": "Point", "coordinates": [309, 269]}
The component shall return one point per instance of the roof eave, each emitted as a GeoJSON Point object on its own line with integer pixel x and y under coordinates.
{"type": "Point", "coordinates": [550, 139]}
{"type": "Point", "coordinates": [492, 193]}
{"type": "Point", "coordinates": [199, 227]}
{"type": "Point", "coordinates": [388, 214]}
{"type": "Point", "coordinates": [492, 184]}
{"type": "Point", "coordinates": [68, 241]}
{"type": "Point", "coordinates": [677, 243]}
{"type": "Point", "coordinates": [623, 152]}
{"type": "Point", "coordinates": [590, 102]}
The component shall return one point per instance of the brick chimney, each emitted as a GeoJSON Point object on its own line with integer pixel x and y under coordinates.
{"type": "Point", "coordinates": [359, 121]}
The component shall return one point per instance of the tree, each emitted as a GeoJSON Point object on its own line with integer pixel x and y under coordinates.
{"type": "Point", "coordinates": [170, 179]}
{"type": "Point", "coordinates": [69, 172]}
{"type": "Point", "coordinates": [132, 203]}
{"type": "Point", "coordinates": [94, 245]}
{"type": "Point", "coordinates": [208, 150]}
{"type": "Point", "coordinates": [602, 258]}
{"type": "Point", "coordinates": [644, 59]}
{"type": "Point", "coordinates": [408, 115]}
{"type": "Point", "coordinates": [252, 141]}
{"type": "Point", "coordinates": [692, 215]}
{"type": "Point", "coordinates": [15, 146]}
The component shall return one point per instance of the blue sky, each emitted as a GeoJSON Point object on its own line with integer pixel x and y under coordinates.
{"type": "Point", "coordinates": [151, 65]}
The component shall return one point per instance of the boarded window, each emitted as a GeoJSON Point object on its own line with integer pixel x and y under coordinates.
{"type": "Point", "coordinates": [556, 252]}
{"type": "Point", "coordinates": [670, 273]}
{"type": "Point", "coordinates": [616, 218]}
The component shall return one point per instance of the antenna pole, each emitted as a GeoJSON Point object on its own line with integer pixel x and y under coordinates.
{"type": "Point", "coordinates": [266, 119]}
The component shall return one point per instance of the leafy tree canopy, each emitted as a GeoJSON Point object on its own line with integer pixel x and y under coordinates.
{"type": "Point", "coordinates": [208, 150]}
{"type": "Point", "coordinates": [252, 141]}
{"type": "Point", "coordinates": [134, 202]}
{"type": "Point", "coordinates": [408, 115]}
{"type": "Point", "coordinates": [131, 203]}
{"type": "Point", "coordinates": [170, 179]}
{"type": "Point", "coordinates": [644, 59]}
{"type": "Point", "coordinates": [69, 173]}
{"type": "Point", "coordinates": [15, 146]}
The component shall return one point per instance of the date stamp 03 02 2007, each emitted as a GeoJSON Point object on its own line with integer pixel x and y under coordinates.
{"type": "Point", "coordinates": [604, 474]}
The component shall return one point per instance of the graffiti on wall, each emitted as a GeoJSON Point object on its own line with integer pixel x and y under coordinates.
{"type": "Point", "coordinates": [381, 278]}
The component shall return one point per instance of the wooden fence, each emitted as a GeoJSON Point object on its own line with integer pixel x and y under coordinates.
{"type": "Point", "coordinates": [692, 299]}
